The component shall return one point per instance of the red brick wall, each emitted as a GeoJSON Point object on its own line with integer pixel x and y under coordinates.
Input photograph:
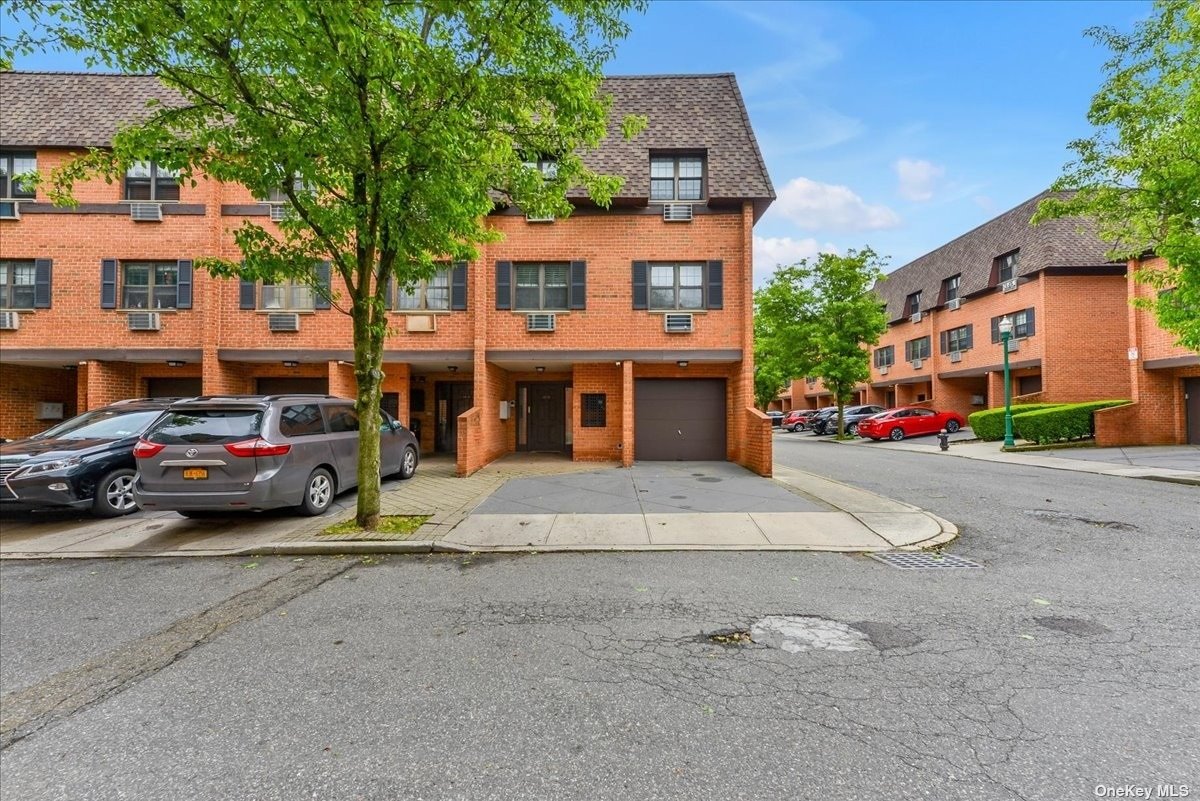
{"type": "Point", "coordinates": [599, 444]}
{"type": "Point", "coordinates": [1085, 319]}
{"type": "Point", "coordinates": [26, 387]}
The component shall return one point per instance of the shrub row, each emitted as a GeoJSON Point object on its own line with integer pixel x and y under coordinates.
{"type": "Point", "coordinates": [1070, 421]}
{"type": "Point", "coordinates": [989, 424]}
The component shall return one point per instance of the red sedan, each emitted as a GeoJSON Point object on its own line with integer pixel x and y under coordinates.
{"type": "Point", "coordinates": [909, 421]}
{"type": "Point", "coordinates": [796, 418]}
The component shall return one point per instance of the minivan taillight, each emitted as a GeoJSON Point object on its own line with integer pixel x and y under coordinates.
{"type": "Point", "coordinates": [144, 450]}
{"type": "Point", "coordinates": [257, 447]}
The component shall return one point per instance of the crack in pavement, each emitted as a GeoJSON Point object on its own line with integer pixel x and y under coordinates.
{"type": "Point", "coordinates": [60, 696]}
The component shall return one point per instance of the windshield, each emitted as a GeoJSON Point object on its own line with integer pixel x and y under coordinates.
{"type": "Point", "coordinates": [102, 424]}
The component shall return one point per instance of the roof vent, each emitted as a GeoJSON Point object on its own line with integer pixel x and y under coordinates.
{"type": "Point", "coordinates": [9, 321]}
{"type": "Point", "coordinates": [678, 323]}
{"type": "Point", "coordinates": [677, 212]}
{"type": "Point", "coordinates": [539, 322]}
{"type": "Point", "coordinates": [282, 322]}
{"type": "Point", "coordinates": [145, 212]}
{"type": "Point", "coordinates": [144, 321]}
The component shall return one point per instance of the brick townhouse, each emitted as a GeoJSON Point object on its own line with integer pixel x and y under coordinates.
{"type": "Point", "coordinates": [615, 334]}
{"type": "Point", "coordinates": [1076, 336]}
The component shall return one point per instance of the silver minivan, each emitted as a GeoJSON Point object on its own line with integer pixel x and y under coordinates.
{"type": "Point", "coordinates": [252, 452]}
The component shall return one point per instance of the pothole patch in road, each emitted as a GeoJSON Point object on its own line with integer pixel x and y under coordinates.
{"type": "Point", "coordinates": [798, 633]}
{"type": "Point", "coordinates": [885, 636]}
{"type": "Point", "coordinates": [1071, 625]}
{"type": "Point", "coordinates": [730, 637]}
{"type": "Point", "coordinates": [1054, 514]}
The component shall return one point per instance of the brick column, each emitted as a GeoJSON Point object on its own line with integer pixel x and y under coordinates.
{"type": "Point", "coordinates": [342, 381]}
{"type": "Point", "coordinates": [627, 413]}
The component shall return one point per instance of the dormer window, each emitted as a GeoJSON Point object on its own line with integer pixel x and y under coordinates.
{"type": "Point", "coordinates": [145, 180]}
{"type": "Point", "coordinates": [1008, 266]}
{"type": "Point", "coordinates": [676, 177]}
{"type": "Point", "coordinates": [548, 167]}
{"type": "Point", "coordinates": [951, 286]}
{"type": "Point", "coordinates": [913, 304]}
{"type": "Point", "coordinates": [12, 166]}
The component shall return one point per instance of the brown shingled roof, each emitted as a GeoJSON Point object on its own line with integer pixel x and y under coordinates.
{"type": "Point", "coordinates": [685, 112]}
{"type": "Point", "coordinates": [1066, 242]}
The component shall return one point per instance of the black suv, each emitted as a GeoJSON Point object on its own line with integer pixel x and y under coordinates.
{"type": "Point", "coordinates": [851, 416]}
{"type": "Point", "coordinates": [82, 463]}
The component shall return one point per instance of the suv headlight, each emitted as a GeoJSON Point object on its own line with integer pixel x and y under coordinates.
{"type": "Point", "coordinates": [50, 467]}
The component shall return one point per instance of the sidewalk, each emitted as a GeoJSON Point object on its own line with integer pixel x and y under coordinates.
{"type": "Point", "coordinates": [537, 504]}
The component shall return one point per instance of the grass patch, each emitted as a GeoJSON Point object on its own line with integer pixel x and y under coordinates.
{"type": "Point", "coordinates": [1054, 446]}
{"type": "Point", "coordinates": [388, 524]}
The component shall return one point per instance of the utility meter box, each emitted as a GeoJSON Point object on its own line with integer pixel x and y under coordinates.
{"type": "Point", "coordinates": [504, 410]}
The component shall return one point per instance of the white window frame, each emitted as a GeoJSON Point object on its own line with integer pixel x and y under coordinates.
{"type": "Point", "coordinates": [9, 173]}
{"type": "Point", "coordinates": [675, 178]}
{"type": "Point", "coordinates": [675, 286]}
{"type": "Point", "coordinates": [8, 283]}
{"type": "Point", "coordinates": [155, 175]}
{"type": "Point", "coordinates": [289, 292]}
{"type": "Point", "coordinates": [541, 286]}
{"type": "Point", "coordinates": [419, 296]}
{"type": "Point", "coordinates": [150, 286]}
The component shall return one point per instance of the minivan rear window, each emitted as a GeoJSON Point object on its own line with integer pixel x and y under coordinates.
{"type": "Point", "coordinates": [206, 426]}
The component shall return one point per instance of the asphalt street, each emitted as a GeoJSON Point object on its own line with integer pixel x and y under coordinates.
{"type": "Point", "coordinates": [1068, 663]}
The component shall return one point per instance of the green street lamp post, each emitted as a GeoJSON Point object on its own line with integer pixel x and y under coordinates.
{"type": "Point", "coordinates": [1006, 329]}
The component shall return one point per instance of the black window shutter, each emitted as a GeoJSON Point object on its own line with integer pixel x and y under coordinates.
{"type": "Point", "coordinates": [108, 283]}
{"type": "Point", "coordinates": [970, 340]}
{"type": "Point", "coordinates": [641, 289]}
{"type": "Point", "coordinates": [321, 300]}
{"type": "Point", "coordinates": [458, 286]}
{"type": "Point", "coordinates": [945, 337]}
{"type": "Point", "coordinates": [246, 292]}
{"type": "Point", "coordinates": [578, 285]}
{"type": "Point", "coordinates": [1029, 319]}
{"type": "Point", "coordinates": [716, 286]}
{"type": "Point", "coordinates": [42, 269]}
{"type": "Point", "coordinates": [995, 329]}
{"type": "Point", "coordinates": [183, 286]}
{"type": "Point", "coordinates": [504, 285]}
{"type": "Point", "coordinates": [389, 297]}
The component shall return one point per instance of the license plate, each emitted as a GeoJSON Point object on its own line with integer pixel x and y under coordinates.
{"type": "Point", "coordinates": [195, 473]}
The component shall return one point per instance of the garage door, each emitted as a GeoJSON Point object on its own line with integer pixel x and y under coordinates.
{"type": "Point", "coordinates": [173, 387]}
{"type": "Point", "coordinates": [679, 419]}
{"type": "Point", "coordinates": [291, 386]}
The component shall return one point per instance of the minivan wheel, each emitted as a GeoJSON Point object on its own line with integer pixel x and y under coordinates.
{"type": "Point", "coordinates": [408, 464]}
{"type": "Point", "coordinates": [318, 493]}
{"type": "Point", "coordinates": [952, 426]}
{"type": "Point", "coordinates": [897, 434]}
{"type": "Point", "coordinates": [114, 494]}
{"type": "Point", "coordinates": [852, 429]}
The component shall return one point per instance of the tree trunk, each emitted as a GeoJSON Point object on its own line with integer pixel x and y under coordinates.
{"type": "Point", "coordinates": [368, 371]}
{"type": "Point", "coordinates": [841, 423]}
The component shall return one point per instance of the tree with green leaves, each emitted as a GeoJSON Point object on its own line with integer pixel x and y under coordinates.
{"type": "Point", "coordinates": [391, 128]}
{"type": "Point", "coordinates": [819, 318]}
{"type": "Point", "coordinates": [1138, 175]}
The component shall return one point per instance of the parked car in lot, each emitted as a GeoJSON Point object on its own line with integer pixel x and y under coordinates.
{"type": "Point", "coordinates": [851, 417]}
{"type": "Point", "coordinates": [254, 452]}
{"type": "Point", "coordinates": [776, 418]}
{"type": "Point", "coordinates": [909, 421]}
{"type": "Point", "coordinates": [82, 463]}
{"type": "Point", "coordinates": [817, 420]}
{"type": "Point", "coordinates": [795, 419]}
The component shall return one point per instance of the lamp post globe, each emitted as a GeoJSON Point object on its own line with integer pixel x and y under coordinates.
{"type": "Point", "coordinates": [1006, 330]}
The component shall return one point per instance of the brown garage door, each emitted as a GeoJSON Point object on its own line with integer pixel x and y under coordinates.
{"type": "Point", "coordinates": [291, 386]}
{"type": "Point", "coordinates": [679, 419]}
{"type": "Point", "coordinates": [173, 387]}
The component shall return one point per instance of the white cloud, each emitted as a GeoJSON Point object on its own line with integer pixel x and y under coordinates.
{"type": "Point", "coordinates": [918, 178]}
{"type": "Point", "coordinates": [815, 206]}
{"type": "Point", "coordinates": [984, 202]}
{"type": "Point", "coordinates": [770, 252]}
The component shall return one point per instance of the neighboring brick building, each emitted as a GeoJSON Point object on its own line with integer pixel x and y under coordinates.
{"type": "Point", "coordinates": [1077, 337]}
{"type": "Point", "coordinates": [615, 334]}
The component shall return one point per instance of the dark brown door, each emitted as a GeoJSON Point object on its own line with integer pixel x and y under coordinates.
{"type": "Point", "coordinates": [292, 386]}
{"type": "Point", "coordinates": [679, 419]}
{"type": "Point", "coordinates": [173, 387]}
{"type": "Point", "coordinates": [453, 398]}
{"type": "Point", "coordinates": [547, 417]}
{"type": "Point", "coordinates": [1191, 395]}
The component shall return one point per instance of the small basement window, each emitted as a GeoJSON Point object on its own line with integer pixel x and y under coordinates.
{"type": "Point", "coordinates": [594, 408]}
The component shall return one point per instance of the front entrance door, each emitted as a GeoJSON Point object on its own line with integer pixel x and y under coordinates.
{"type": "Point", "coordinates": [453, 398]}
{"type": "Point", "coordinates": [1191, 395]}
{"type": "Point", "coordinates": [546, 417]}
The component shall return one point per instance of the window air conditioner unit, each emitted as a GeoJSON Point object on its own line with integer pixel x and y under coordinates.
{"type": "Point", "coordinates": [280, 321]}
{"type": "Point", "coordinates": [144, 321]}
{"type": "Point", "coordinates": [531, 218]}
{"type": "Point", "coordinates": [145, 212]}
{"type": "Point", "coordinates": [280, 212]}
{"type": "Point", "coordinates": [916, 318]}
{"type": "Point", "coordinates": [9, 321]}
{"type": "Point", "coordinates": [539, 322]}
{"type": "Point", "coordinates": [420, 323]}
{"type": "Point", "coordinates": [10, 210]}
{"type": "Point", "coordinates": [677, 323]}
{"type": "Point", "coordinates": [956, 356]}
{"type": "Point", "coordinates": [1009, 286]}
{"type": "Point", "coordinates": [677, 212]}
{"type": "Point", "coordinates": [954, 304]}
{"type": "Point", "coordinates": [1013, 346]}
{"type": "Point", "coordinates": [884, 370]}
{"type": "Point", "coordinates": [918, 364]}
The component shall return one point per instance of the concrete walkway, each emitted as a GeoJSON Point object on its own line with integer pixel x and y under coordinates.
{"type": "Point", "coordinates": [527, 503]}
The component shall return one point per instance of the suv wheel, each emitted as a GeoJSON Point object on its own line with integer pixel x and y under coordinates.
{"type": "Point", "coordinates": [408, 464]}
{"type": "Point", "coordinates": [318, 493]}
{"type": "Point", "coordinates": [114, 494]}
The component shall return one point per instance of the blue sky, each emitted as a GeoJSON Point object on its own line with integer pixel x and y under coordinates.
{"type": "Point", "coordinates": [898, 125]}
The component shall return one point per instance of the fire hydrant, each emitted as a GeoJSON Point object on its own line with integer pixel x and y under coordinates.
{"type": "Point", "coordinates": [944, 439]}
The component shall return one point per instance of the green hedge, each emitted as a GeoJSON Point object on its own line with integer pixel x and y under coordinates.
{"type": "Point", "coordinates": [989, 424]}
{"type": "Point", "coordinates": [1072, 421]}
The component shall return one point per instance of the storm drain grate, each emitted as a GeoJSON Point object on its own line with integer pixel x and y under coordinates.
{"type": "Point", "coordinates": [925, 561]}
